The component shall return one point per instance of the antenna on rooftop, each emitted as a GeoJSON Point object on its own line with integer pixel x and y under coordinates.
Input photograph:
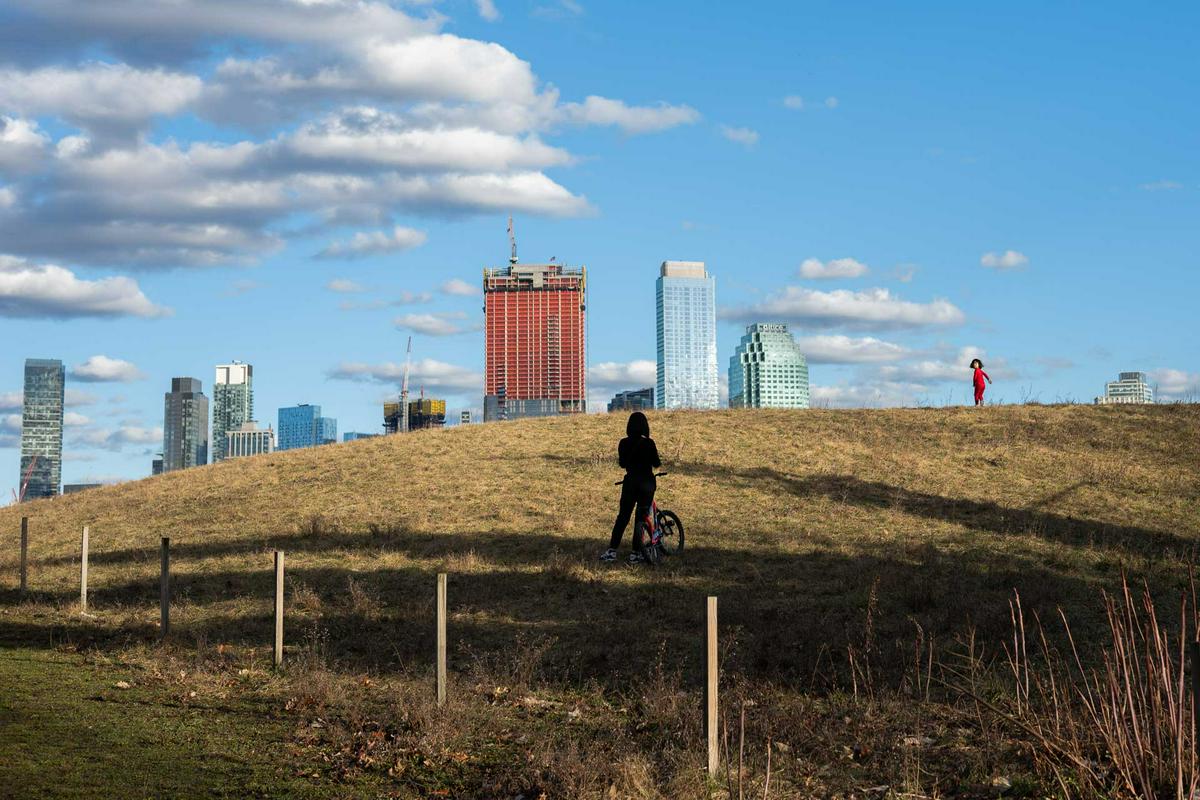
{"type": "Point", "coordinates": [512, 241]}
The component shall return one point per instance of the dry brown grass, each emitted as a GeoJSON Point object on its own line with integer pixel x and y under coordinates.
{"type": "Point", "coordinates": [846, 548]}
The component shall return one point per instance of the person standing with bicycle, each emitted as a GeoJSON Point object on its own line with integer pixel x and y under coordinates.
{"type": "Point", "coordinates": [638, 454]}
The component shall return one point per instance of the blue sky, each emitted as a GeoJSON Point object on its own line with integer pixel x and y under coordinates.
{"type": "Point", "coordinates": [300, 185]}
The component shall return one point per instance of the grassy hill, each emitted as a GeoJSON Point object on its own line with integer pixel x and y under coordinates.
{"type": "Point", "coordinates": [840, 543]}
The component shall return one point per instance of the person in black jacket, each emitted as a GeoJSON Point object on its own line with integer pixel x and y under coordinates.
{"type": "Point", "coordinates": [639, 456]}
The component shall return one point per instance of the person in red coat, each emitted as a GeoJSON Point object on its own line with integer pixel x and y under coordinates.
{"type": "Point", "coordinates": [978, 379]}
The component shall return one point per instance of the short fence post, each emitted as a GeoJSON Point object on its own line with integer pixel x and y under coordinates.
{"type": "Point", "coordinates": [164, 589]}
{"type": "Point", "coordinates": [277, 648]}
{"type": "Point", "coordinates": [24, 553]}
{"type": "Point", "coordinates": [441, 639]}
{"type": "Point", "coordinates": [83, 565]}
{"type": "Point", "coordinates": [710, 688]}
{"type": "Point", "coordinates": [1194, 658]}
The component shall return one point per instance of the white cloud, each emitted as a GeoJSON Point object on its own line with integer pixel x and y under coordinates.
{"type": "Point", "coordinates": [831, 102]}
{"type": "Point", "coordinates": [747, 137]}
{"type": "Point", "coordinates": [867, 394]}
{"type": "Point", "coordinates": [444, 323]}
{"type": "Point", "coordinates": [373, 243]}
{"type": "Point", "coordinates": [102, 369]}
{"type": "Point", "coordinates": [430, 373]}
{"type": "Point", "coordinates": [10, 423]}
{"type": "Point", "coordinates": [98, 96]}
{"type": "Point", "coordinates": [1009, 259]}
{"type": "Point", "coordinates": [116, 439]}
{"type": "Point", "coordinates": [948, 367]}
{"type": "Point", "coordinates": [848, 350]}
{"type": "Point", "coordinates": [597, 110]}
{"type": "Point", "coordinates": [459, 287]}
{"type": "Point", "coordinates": [73, 419]}
{"type": "Point", "coordinates": [1161, 186]}
{"type": "Point", "coordinates": [53, 292]}
{"type": "Point", "coordinates": [12, 401]}
{"type": "Point", "coordinates": [871, 309]}
{"type": "Point", "coordinates": [1175, 384]}
{"type": "Point", "coordinates": [345, 286]}
{"type": "Point", "coordinates": [815, 269]}
{"type": "Point", "coordinates": [487, 9]}
{"type": "Point", "coordinates": [22, 145]}
{"type": "Point", "coordinates": [621, 375]}
{"type": "Point", "coordinates": [794, 102]}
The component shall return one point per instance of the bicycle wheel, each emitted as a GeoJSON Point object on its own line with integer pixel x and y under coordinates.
{"type": "Point", "coordinates": [672, 532]}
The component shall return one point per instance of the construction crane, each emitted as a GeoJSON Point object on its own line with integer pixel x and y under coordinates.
{"type": "Point", "coordinates": [20, 496]}
{"type": "Point", "coordinates": [512, 241]}
{"type": "Point", "coordinates": [404, 389]}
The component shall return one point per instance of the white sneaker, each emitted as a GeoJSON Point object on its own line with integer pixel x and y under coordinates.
{"type": "Point", "coordinates": [609, 555]}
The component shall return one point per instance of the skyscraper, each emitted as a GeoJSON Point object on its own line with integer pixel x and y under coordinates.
{"type": "Point", "coordinates": [535, 361]}
{"type": "Point", "coordinates": [303, 426]}
{"type": "Point", "coordinates": [42, 428]}
{"type": "Point", "coordinates": [185, 425]}
{"type": "Point", "coordinates": [1130, 387]}
{"type": "Point", "coordinates": [233, 403]}
{"type": "Point", "coordinates": [632, 400]}
{"type": "Point", "coordinates": [687, 336]}
{"type": "Point", "coordinates": [767, 370]}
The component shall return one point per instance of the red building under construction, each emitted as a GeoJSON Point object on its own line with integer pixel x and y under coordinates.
{"type": "Point", "coordinates": [535, 333]}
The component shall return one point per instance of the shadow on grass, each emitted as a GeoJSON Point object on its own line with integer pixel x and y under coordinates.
{"type": "Point", "coordinates": [785, 618]}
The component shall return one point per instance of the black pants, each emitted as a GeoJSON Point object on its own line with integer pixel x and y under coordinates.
{"type": "Point", "coordinates": [639, 493]}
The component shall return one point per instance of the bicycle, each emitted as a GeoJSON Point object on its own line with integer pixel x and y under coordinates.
{"type": "Point", "coordinates": [664, 528]}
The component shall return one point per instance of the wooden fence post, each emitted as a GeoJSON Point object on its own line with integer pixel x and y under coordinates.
{"type": "Point", "coordinates": [164, 589]}
{"type": "Point", "coordinates": [710, 688]}
{"type": "Point", "coordinates": [1194, 658]}
{"type": "Point", "coordinates": [83, 566]}
{"type": "Point", "coordinates": [277, 648]}
{"type": "Point", "coordinates": [441, 639]}
{"type": "Point", "coordinates": [24, 553]}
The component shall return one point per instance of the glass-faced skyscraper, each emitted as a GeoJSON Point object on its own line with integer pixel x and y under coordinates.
{"type": "Point", "coordinates": [185, 425]}
{"type": "Point", "coordinates": [687, 336]}
{"type": "Point", "coordinates": [233, 403]}
{"type": "Point", "coordinates": [303, 426]}
{"type": "Point", "coordinates": [768, 370]}
{"type": "Point", "coordinates": [42, 428]}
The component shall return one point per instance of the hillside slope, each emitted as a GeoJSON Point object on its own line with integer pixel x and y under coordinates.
{"type": "Point", "coordinates": [789, 515]}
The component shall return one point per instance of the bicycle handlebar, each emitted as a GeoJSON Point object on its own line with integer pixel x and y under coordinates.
{"type": "Point", "coordinates": [657, 475]}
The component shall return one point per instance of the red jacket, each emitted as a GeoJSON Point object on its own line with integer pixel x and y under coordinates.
{"type": "Point", "coordinates": [979, 376]}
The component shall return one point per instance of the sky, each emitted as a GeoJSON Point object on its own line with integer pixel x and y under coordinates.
{"type": "Point", "coordinates": [303, 184]}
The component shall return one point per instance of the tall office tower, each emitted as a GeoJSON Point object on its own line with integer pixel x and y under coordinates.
{"type": "Point", "coordinates": [303, 426]}
{"type": "Point", "coordinates": [464, 417]}
{"type": "Point", "coordinates": [185, 425]}
{"type": "Point", "coordinates": [233, 403]}
{"type": "Point", "coordinates": [768, 370]}
{"type": "Point", "coordinates": [42, 428]}
{"type": "Point", "coordinates": [535, 328]}
{"type": "Point", "coordinates": [1130, 387]}
{"type": "Point", "coordinates": [249, 440]}
{"type": "Point", "coordinates": [687, 336]}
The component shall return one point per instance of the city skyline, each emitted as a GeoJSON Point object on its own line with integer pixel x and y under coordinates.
{"type": "Point", "coordinates": [894, 193]}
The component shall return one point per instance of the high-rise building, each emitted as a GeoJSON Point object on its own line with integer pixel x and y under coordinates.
{"type": "Point", "coordinates": [249, 440]}
{"type": "Point", "coordinates": [185, 425]}
{"type": "Point", "coordinates": [42, 428]}
{"type": "Point", "coordinates": [535, 329]}
{"type": "Point", "coordinates": [426, 413]}
{"type": "Point", "coordinates": [767, 370]}
{"type": "Point", "coordinates": [633, 400]}
{"type": "Point", "coordinates": [303, 426]}
{"type": "Point", "coordinates": [464, 417]}
{"type": "Point", "coordinates": [1130, 387]}
{"type": "Point", "coordinates": [156, 466]}
{"type": "Point", "coordinates": [686, 300]}
{"type": "Point", "coordinates": [233, 403]}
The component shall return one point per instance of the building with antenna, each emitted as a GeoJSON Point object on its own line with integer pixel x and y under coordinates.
{"type": "Point", "coordinates": [535, 328]}
{"type": "Point", "coordinates": [233, 403]}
